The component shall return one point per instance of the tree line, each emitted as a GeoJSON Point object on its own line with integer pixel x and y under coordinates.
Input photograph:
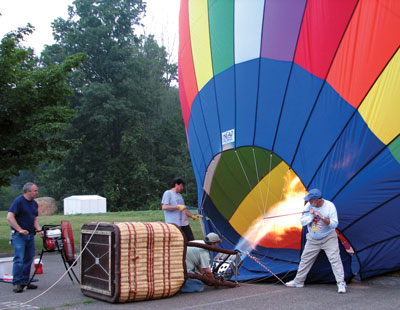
{"type": "Point", "coordinates": [97, 112]}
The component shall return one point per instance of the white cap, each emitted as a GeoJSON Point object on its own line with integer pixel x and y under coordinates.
{"type": "Point", "coordinates": [212, 238]}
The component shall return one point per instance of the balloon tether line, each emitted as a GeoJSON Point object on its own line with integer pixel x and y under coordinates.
{"type": "Point", "coordinates": [269, 181]}
{"type": "Point", "coordinates": [265, 267]}
{"type": "Point", "coordinates": [248, 182]}
{"type": "Point", "coordinates": [281, 215]}
{"type": "Point", "coordinates": [70, 267]}
{"type": "Point", "coordinates": [258, 181]}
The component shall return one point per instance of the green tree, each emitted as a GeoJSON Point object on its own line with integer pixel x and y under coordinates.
{"type": "Point", "coordinates": [34, 108]}
{"type": "Point", "coordinates": [170, 146]}
{"type": "Point", "coordinates": [119, 98]}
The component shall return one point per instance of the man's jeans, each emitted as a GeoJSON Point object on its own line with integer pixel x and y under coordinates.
{"type": "Point", "coordinates": [192, 285]}
{"type": "Point", "coordinates": [24, 252]}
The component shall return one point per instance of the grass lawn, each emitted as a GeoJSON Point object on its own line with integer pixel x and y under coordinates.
{"type": "Point", "coordinates": [78, 220]}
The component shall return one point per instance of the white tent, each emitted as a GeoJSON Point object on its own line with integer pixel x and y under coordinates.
{"type": "Point", "coordinates": [81, 204]}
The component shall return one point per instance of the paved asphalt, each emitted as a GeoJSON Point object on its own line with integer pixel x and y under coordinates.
{"type": "Point", "coordinates": [377, 293]}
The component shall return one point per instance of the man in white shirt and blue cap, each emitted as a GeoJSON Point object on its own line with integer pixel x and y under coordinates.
{"type": "Point", "coordinates": [320, 217]}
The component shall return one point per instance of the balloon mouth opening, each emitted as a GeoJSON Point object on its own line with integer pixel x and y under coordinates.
{"type": "Point", "coordinates": [265, 188]}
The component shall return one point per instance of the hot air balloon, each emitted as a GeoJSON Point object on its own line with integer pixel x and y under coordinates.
{"type": "Point", "coordinates": [281, 96]}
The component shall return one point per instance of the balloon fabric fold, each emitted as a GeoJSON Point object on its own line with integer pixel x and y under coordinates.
{"type": "Point", "coordinates": [279, 97]}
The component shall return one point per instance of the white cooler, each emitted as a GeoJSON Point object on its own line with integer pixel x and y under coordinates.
{"type": "Point", "coordinates": [6, 265]}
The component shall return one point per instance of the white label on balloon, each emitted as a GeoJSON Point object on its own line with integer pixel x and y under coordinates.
{"type": "Point", "coordinates": [228, 136]}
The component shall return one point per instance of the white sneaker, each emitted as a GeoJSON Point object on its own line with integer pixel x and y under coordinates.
{"type": "Point", "coordinates": [294, 284]}
{"type": "Point", "coordinates": [341, 287]}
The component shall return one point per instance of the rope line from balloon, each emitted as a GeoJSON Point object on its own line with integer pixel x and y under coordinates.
{"type": "Point", "coordinates": [264, 205]}
{"type": "Point", "coordinates": [248, 182]}
{"type": "Point", "coordinates": [70, 267]}
{"type": "Point", "coordinates": [281, 215]}
{"type": "Point", "coordinates": [265, 267]}
{"type": "Point", "coordinates": [269, 181]}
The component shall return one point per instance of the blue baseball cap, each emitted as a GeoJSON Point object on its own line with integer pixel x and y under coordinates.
{"type": "Point", "coordinates": [313, 194]}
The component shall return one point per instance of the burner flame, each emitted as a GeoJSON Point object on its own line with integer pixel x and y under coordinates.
{"type": "Point", "coordinates": [278, 227]}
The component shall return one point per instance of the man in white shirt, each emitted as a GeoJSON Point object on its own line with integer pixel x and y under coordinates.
{"type": "Point", "coordinates": [175, 211]}
{"type": "Point", "coordinates": [321, 218]}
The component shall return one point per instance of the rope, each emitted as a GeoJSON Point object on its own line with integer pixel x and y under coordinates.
{"type": "Point", "coordinates": [248, 182]}
{"type": "Point", "coordinates": [265, 267]}
{"type": "Point", "coordinates": [70, 267]}
{"type": "Point", "coordinates": [258, 182]}
{"type": "Point", "coordinates": [273, 216]}
{"type": "Point", "coordinates": [269, 180]}
{"type": "Point", "coordinates": [219, 232]}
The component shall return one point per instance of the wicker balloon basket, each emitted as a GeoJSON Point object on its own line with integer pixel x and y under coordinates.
{"type": "Point", "coordinates": [132, 261]}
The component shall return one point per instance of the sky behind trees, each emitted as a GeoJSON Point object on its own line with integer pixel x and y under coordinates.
{"type": "Point", "coordinates": [126, 136]}
{"type": "Point", "coordinates": [161, 20]}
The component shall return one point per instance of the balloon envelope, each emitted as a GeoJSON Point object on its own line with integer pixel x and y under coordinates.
{"type": "Point", "coordinates": [281, 96]}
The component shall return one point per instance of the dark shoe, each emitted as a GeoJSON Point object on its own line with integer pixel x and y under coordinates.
{"type": "Point", "coordinates": [18, 288]}
{"type": "Point", "coordinates": [31, 286]}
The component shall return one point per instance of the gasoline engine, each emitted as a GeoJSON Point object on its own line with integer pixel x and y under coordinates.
{"type": "Point", "coordinates": [224, 266]}
{"type": "Point", "coordinates": [59, 238]}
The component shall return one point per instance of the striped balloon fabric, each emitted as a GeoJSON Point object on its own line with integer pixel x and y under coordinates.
{"type": "Point", "coordinates": [282, 96]}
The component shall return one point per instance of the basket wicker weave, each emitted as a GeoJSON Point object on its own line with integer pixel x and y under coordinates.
{"type": "Point", "coordinates": [132, 261]}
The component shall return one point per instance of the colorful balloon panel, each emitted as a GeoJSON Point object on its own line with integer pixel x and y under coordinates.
{"type": "Point", "coordinates": [282, 96]}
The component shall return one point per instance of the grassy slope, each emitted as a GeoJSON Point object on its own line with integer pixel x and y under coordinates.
{"type": "Point", "coordinates": [78, 220]}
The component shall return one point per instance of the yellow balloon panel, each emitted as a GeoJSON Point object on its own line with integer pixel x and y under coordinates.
{"type": "Point", "coordinates": [200, 38]}
{"type": "Point", "coordinates": [381, 108]}
{"type": "Point", "coordinates": [266, 193]}
{"type": "Point", "coordinates": [264, 217]}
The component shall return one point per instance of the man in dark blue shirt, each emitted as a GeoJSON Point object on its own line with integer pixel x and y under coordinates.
{"type": "Point", "coordinates": [22, 218]}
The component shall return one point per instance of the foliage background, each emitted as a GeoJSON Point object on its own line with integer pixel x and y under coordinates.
{"type": "Point", "coordinates": [125, 137]}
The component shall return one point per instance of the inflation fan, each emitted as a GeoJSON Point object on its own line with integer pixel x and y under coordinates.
{"type": "Point", "coordinates": [61, 239]}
